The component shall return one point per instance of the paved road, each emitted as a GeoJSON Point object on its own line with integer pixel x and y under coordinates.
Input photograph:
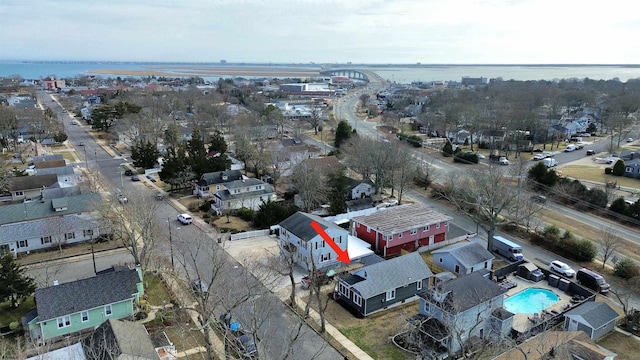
{"type": "Point", "coordinates": [276, 327]}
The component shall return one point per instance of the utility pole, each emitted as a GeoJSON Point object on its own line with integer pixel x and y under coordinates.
{"type": "Point", "coordinates": [170, 244]}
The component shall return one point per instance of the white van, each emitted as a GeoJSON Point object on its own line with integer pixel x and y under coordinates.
{"type": "Point", "coordinates": [570, 148]}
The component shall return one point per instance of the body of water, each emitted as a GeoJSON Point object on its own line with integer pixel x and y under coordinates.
{"type": "Point", "coordinates": [397, 73]}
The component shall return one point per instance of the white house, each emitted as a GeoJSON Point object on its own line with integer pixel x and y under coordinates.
{"type": "Point", "coordinates": [244, 193]}
{"type": "Point", "coordinates": [300, 240]}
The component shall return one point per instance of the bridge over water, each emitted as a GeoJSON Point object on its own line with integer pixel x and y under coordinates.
{"type": "Point", "coordinates": [354, 74]}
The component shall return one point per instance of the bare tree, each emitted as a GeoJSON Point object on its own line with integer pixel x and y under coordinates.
{"type": "Point", "coordinates": [403, 169]}
{"type": "Point", "coordinates": [315, 117]}
{"type": "Point", "coordinates": [310, 183]}
{"type": "Point", "coordinates": [134, 223]}
{"type": "Point", "coordinates": [608, 241]}
{"type": "Point", "coordinates": [484, 195]}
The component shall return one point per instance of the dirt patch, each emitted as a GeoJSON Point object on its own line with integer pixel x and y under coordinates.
{"type": "Point", "coordinates": [235, 224]}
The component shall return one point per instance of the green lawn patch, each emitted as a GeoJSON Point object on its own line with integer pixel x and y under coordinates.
{"type": "Point", "coordinates": [155, 290]}
{"type": "Point", "coordinates": [9, 314]}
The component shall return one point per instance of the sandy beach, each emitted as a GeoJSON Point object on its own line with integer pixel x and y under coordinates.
{"type": "Point", "coordinates": [214, 71]}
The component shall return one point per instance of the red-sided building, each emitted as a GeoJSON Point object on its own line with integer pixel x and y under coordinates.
{"type": "Point", "coordinates": [405, 227]}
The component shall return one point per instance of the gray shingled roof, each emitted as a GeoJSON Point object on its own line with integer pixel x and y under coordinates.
{"type": "Point", "coordinates": [468, 254]}
{"type": "Point", "coordinates": [44, 227]}
{"type": "Point", "coordinates": [464, 292]}
{"type": "Point", "coordinates": [216, 177]}
{"type": "Point", "coordinates": [72, 297]}
{"type": "Point", "coordinates": [391, 274]}
{"type": "Point", "coordinates": [398, 219]}
{"type": "Point", "coordinates": [32, 182]}
{"type": "Point", "coordinates": [42, 209]}
{"type": "Point", "coordinates": [120, 339]}
{"type": "Point", "coordinates": [299, 224]}
{"type": "Point", "coordinates": [595, 314]}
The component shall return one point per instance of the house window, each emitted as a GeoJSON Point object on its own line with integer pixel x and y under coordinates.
{"type": "Point", "coordinates": [486, 264]}
{"type": "Point", "coordinates": [325, 257]}
{"type": "Point", "coordinates": [438, 226]}
{"type": "Point", "coordinates": [45, 240]}
{"type": "Point", "coordinates": [446, 224]}
{"type": "Point", "coordinates": [368, 229]}
{"type": "Point", "coordinates": [23, 243]}
{"type": "Point", "coordinates": [391, 294]}
{"type": "Point", "coordinates": [19, 193]}
{"type": "Point", "coordinates": [400, 236]}
{"type": "Point", "coordinates": [69, 236]}
{"type": "Point", "coordinates": [457, 269]}
{"type": "Point", "coordinates": [64, 321]}
{"type": "Point", "coordinates": [259, 187]}
{"type": "Point", "coordinates": [217, 187]}
{"type": "Point", "coordinates": [357, 299]}
{"type": "Point", "coordinates": [414, 231]}
{"type": "Point", "coordinates": [440, 259]}
{"type": "Point", "coordinates": [85, 316]}
{"type": "Point", "coordinates": [88, 232]}
{"type": "Point", "coordinates": [419, 285]}
{"type": "Point", "coordinates": [426, 228]}
{"type": "Point", "coordinates": [107, 310]}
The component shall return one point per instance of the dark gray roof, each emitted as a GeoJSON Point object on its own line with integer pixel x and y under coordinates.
{"type": "Point", "coordinates": [63, 170]}
{"type": "Point", "coordinates": [45, 227]}
{"type": "Point", "coordinates": [595, 314]}
{"type": "Point", "coordinates": [53, 193]}
{"type": "Point", "coordinates": [42, 209]}
{"type": "Point", "coordinates": [299, 224]}
{"type": "Point", "coordinates": [463, 293]}
{"type": "Point", "coordinates": [48, 157]}
{"type": "Point", "coordinates": [73, 297]}
{"type": "Point", "coordinates": [468, 254]}
{"type": "Point", "coordinates": [32, 182]}
{"type": "Point", "coordinates": [119, 339]}
{"type": "Point", "coordinates": [360, 204]}
{"type": "Point", "coordinates": [391, 274]}
{"type": "Point", "coordinates": [217, 177]}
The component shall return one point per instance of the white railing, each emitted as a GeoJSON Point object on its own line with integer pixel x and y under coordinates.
{"type": "Point", "coordinates": [249, 234]}
{"type": "Point", "coordinates": [444, 243]}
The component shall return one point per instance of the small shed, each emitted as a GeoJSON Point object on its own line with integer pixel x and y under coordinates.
{"type": "Point", "coordinates": [529, 271]}
{"type": "Point", "coordinates": [594, 318]}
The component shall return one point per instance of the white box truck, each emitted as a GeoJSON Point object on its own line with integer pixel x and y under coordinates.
{"type": "Point", "coordinates": [507, 248]}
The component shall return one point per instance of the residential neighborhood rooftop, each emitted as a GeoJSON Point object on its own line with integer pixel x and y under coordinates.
{"type": "Point", "coordinates": [397, 219]}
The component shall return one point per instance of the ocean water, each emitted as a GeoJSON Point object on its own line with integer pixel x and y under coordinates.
{"type": "Point", "coordinates": [397, 73]}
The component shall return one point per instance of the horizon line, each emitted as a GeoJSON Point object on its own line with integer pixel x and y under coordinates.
{"type": "Point", "coordinates": [313, 63]}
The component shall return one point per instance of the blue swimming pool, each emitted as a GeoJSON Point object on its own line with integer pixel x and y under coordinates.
{"type": "Point", "coordinates": [530, 301]}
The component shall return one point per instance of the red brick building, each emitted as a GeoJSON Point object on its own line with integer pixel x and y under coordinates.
{"type": "Point", "coordinates": [405, 227]}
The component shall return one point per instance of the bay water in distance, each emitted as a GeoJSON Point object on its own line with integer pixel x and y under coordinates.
{"type": "Point", "coordinates": [394, 73]}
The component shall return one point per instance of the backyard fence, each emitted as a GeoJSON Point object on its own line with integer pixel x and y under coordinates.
{"type": "Point", "coordinates": [250, 234]}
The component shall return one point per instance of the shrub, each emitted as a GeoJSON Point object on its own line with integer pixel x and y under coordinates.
{"type": "Point", "coordinates": [618, 168]}
{"type": "Point", "coordinates": [618, 206]}
{"type": "Point", "coordinates": [466, 158]}
{"type": "Point", "coordinates": [608, 170]}
{"type": "Point", "coordinates": [584, 250]}
{"type": "Point", "coordinates": [245, 214]}
{"type": "Point", "coordinates": [626, 269]}
{"type": "Point", "coordinates": [551, 233]}
{"type": "Point", "coordinates": [447, 149]}
{"type": "Point", "coordinates": [206, 206]}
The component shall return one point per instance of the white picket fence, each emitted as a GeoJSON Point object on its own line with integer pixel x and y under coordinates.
{"type": "Point", "coordinates": [249, 234]}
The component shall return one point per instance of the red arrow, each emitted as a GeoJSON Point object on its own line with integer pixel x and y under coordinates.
{"type": "Point", "coordinates": [343, 256]}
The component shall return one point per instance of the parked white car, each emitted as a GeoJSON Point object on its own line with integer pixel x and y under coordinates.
{"type": "Point", "coordinates": [503, 161]}
{"type": "Point", "coordinates": [562, 268]}
{"type": "Point", "coordinates": [539, 157]}
{"type": "Point", "coordinates": [550, 162]}
{"type": "Point", "coordinates": [185, 219]}
{"type": "Point", "coordinates": [570, 148]}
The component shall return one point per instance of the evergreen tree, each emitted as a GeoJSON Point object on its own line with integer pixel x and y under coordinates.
{"type": "Point", "coordinates": [144, 154]}
{"type": "Point", "coordinates": [197, 153]}
{"type": "Point", "coordinates": [618, 168]}
{"type": "Point", "coordinates": [343, 133]}
{"type": "Point", "coordinates": [338, 186]}
{"type": "Point", "coordinates": [447, 149]}
{"type": "Point", "coordinates": [175, 169]}
{"type": "Point", "coordinates": [14, 283]}
{"type": "Point", "coordinates": [272, 213]}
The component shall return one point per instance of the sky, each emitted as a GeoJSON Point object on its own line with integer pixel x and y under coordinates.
{"type": "Point", "coordinates": [323, 31]}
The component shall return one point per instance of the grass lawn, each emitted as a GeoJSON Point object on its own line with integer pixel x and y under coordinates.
{"type": "Point", "coordinates": [372, 334]}
{"type": "Point", "coordinates": [627, 347]}
{"type": "Point", "coordinates": [155, 290]}
{"type": "Point", "coordinates": [8, 314]}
